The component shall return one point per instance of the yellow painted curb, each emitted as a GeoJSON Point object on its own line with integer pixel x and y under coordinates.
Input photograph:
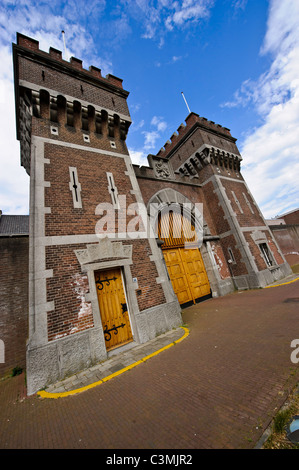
{"type": "Point", "coordinates": [45, 394]}
{"type": "Point", "coordinates": [283, 284]}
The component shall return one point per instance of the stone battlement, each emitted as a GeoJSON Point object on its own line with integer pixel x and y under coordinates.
{"type": "Point", "coordinates": [191, 120]}
{"type": "Point", "coordinates": [54, 54]}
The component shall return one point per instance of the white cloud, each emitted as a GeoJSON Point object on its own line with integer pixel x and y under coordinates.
{"type": "Point", "coordinates": [152, 136]}
{"type": "Point", "coordinates": [138, 157]}
{"type": "Point", "coordinates": [135, 127]}
{"type": "Point", "coordinates": [189, 11]}
{"type": "Point", "coordinates": [14, 181]}
{"type": "Point", "coordinates": [159, 123]}
{"type": "Point", "coordinates": [164, 16]}
{"type": "Point", "coordinates": [175, 58]}
{"type": "Point", "coordinates": [40, 21]}
{"type": "Point", "coordinates": [150, 139]}
{"type": "Point", "coordinates": [270, 152]}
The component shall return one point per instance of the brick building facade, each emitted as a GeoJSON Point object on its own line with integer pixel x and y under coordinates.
{"type": "Point", "coordinates": [14, 250]}
{"type": "Point", "coordinates": [285, 229]}
{"type": "Point", "coordinates": [89, 293]}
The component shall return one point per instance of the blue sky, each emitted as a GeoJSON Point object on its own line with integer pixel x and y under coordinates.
{"type": "Point", "coordinates": [237, 62]}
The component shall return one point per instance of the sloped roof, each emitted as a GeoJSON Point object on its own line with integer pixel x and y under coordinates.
{"type": "Point", "coordinates": [14, 225]}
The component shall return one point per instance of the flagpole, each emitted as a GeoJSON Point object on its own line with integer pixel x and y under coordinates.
{"type": "Point", "coordinates": [186, 102]}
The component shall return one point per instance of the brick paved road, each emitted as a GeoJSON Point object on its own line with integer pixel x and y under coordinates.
{"type": "Point", "coordinates": [218, 388]}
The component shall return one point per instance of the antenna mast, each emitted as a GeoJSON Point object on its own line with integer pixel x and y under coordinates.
{"type": "Point", "coordinates": [186, 102]}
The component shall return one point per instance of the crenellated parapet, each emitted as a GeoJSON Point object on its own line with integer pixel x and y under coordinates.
{"type": "Point", "coordinates": [75, 63]}
{"type": "Point", "coordinates": [192, 121]}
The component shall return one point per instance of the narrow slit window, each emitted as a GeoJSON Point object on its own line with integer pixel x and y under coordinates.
{"type": "Point", "coordinates": [248, 203]}
{"type": "Point", "coordinates": [75, 188]}
{"type": "Point", "coordinates": [113, 190]}
{"type": "Point", "coordinates": [231, 255]}
{"type": "Point", "coordinates": [237, 202]}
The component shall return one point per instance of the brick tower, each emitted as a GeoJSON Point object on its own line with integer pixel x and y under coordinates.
{"type": "Point", "coordinates": [88, 294]}
{"type": "Point", "coordinates": [202, 164]}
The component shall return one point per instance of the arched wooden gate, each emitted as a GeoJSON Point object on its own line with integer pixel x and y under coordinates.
{"type": "Point", "coordinates": [184, 262]}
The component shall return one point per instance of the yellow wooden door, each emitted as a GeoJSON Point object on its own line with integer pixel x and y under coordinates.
{"type": "Point", "coordinates": [113, 308]}
{"type": "Point", "coordinates": [177, 275]}
{"type": "Point", "coordinates": [185, 266]}
{"type": "Point", "coordinates": [196, 273]}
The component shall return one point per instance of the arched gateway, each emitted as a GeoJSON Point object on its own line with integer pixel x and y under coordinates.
{"type": "Point", "coordinates": [179, 228]}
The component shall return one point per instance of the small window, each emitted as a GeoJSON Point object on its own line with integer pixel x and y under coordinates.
{"type": "Point", "coordinates": [231, 255]}
{"type": "Point", "coordinates": [266, 254]}
{"type": "Point", "coordinates": [113, 190]}
{"type": "Point", "coordinates": [54, 130]}
{"type": "Point", "coordinates": [75, 188]}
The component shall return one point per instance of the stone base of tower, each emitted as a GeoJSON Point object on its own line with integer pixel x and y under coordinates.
{"type": "Point", "coordinates": [260, 279]}
{"type": "Point", "coordinates": [67, 356]}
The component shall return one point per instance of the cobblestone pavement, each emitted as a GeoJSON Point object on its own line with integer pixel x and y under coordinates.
{"type": "Point", "coordinates": [217, 388]}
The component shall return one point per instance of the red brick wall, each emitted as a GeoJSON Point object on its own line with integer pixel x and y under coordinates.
{"type": "Point", "coordinates": [14, 252]}
{"type": "Point", "coordinates": [91, 168]}
{"type": "Point", "coordinates": [149, 294]}
{"type": "Point", "coordinates": [214, 209]}
{"type": "Point", "coordinates": [194, 193]}
{"type": "Point", "coordinates": [67, 288]}
{"type": "Point", "coordinates": [247, 218]}
{"type": "Point", "coordinates": [288, 241]}
{"type": "Point", "coordinates": [292, 218]}
{"type": "Point", "coordinates": [70, 85]}
{"type": "Point", "coordinates": [41, 127]}
{"type": "Point", "coordinates": [239, 268]}
{"type": "Point", "coordinates": [274, 249]}
{"type": "Point", "coordinates": [208, 132]}
{"type": "Point", "coordinates": [256, 252]}
{"type": "Point", "coordinates": [220, 259]}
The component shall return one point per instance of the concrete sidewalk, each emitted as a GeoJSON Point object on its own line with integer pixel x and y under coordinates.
{"type": "Point", "coordinates": [132, 356]}
{"type": "Point", "coordinates": [287, 280]}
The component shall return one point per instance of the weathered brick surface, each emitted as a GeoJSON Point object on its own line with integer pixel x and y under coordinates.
{"type": "Point", "coordinates": [67, 288]}
{"type": "Point", "coordinates": [238, 268]}
{"type": "Point", "coordinates": [91, 168]}
{"type": "Point", "coordinates": [149, 293]}
{"type": "Point", "coordinates": [203, 131]}
{"type": "Point", "coordinates": [74, 135]}
{"type": "Point", "coordinates": [259, 259]}
{"type": "Point", "coordinates": [288, 241]}
{"type": "Point", "coordinates": [245, 217]}
{"type": "Point", "coordinates": [14, 301]}
{"type": "Point", "coordinates": [292, 218]}
{"type": "Point", "coordinates": [214, 208]}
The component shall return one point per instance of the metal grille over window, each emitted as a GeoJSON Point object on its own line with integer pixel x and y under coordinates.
{"type": "Point", "coordinates": [75, 188]}
{"type": "Point", "coordinates": [266, 254]}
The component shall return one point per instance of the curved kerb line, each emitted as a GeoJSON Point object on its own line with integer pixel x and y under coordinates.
{"type": "Point", "coordinates": [44, 394]}
{"type": "Point", "coordinates": [283, 284]}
